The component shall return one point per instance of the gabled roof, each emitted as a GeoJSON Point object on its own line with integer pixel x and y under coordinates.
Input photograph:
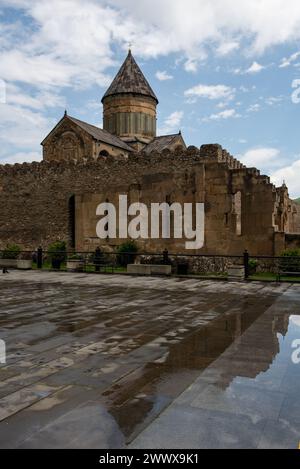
{"type": "Point", "coordinates": [159, 144]}
{"type": "Point", "coordinates": [130, 79]}
{"type": "Point", "coordinates": [97, 133]}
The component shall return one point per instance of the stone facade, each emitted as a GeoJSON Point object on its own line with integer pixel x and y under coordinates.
{"type": "Point", "coordinates": [128, 116]}
{"type": "Point", "coordinates": [41, 202]}
{"type": "Point", "coordinates": [84, 166]}
{"type": "Point", "coordinates": [70, 142]}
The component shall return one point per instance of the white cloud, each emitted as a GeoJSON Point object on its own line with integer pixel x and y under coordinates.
{"type": "Point", "coordinates": [287, 61]}
{"type": "Point", "coordinates": [163, 76]}
{"type": "Point", "coordinates": [191, 66]}
{"type": "Point", "coordinates": [38, 101]}
{"type": "Point", "coordinates": [273, 100]}
{"type": "Point", "coordinates": [227, 47]}
{"type": "Point", "coordinates": [271, 161]}
{"type": "Point", "coordinates": [289, 174]}
{"type": "Point", "coordinates": [255, 68]}
{"type": "Point", "coordinates": [184, 26]}
{"type": "Point", "coordinates": [227, 114]}
{"type": "Point", "coordinates": [261, 157]}
{"type": "Point", "coordinates": [172, 123]}
{"type": "Point", "coordinates": [71, 42]}
{"type": "Point", "coordinates": [21, 157]}
{"type": "Point", "coordinates": [24, 130]}
{"type": "Point", "coordinates": [254, 108]}
{"type": "Point", "coordinates": [210, 92]}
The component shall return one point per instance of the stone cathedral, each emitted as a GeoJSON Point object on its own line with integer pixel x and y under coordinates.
{"type": "Point", "coordinates": [84, 165]}
{"type": "Point", "coordinates": [129, 123]}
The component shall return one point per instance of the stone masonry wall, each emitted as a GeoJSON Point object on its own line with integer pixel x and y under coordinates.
{"type": "Point", "coordinates": [35, 210]}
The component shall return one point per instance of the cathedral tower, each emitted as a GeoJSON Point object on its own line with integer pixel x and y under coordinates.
{"type": "Point", "coordinates": [129, 106]}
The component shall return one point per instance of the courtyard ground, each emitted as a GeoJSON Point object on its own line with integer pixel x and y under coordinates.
{"type": "Point", "coordinates": [111, 361]}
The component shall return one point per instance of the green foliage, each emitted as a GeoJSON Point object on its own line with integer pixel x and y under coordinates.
{"type": "Point", "coordinates": [297, 201]}
{"type": "Point", "coordinates": [129, 247]}
{"type": "Point", "coordinates": [253, 264]}
{"type": "Point", "coordinates": [127, 253]}
{"type": "Point", "coordinates": [75, 257]}
{"type": "Point", "coordinates": [12, 251]}
{"type": "Point", "coordinates": [290, 261]}
{"type": "Point", "coordinates": [57, 251]}
{"type": "Point", "coordinates": [291, 253]}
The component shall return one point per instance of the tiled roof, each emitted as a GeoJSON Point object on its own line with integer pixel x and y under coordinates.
{"type": "Point", "coordinates": [101, 135]}
{"type": "Point", "coordinates": [160, 143]}
{"type": "Point", "coordinates": [130, 79]}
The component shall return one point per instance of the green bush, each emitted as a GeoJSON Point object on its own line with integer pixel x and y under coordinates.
{"type": "Point", "coordinates": [290, 261]}
{"type": "Point", "coordinates": [127, 253]}
{"type": "Point", "coordinates": [291, 253]}
{"type": "Point", "coordinates": [12, 251]}
{"type": "Point", "coordinates": [75, 257]}
{"type": "Point", "coordinates": [253, 264]}
{"type": "Point", "coordinates": [57, 251]}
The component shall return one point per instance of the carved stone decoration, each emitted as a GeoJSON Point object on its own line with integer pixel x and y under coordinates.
{"type": "Point", "coordinates": [69, 146]}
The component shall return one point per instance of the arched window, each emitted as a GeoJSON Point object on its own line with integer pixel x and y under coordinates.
{"type": "Point", "coordinates": [104, 153]}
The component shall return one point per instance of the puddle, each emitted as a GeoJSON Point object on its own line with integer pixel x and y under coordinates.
{"type": "Point", "coordinates": [140, 397]}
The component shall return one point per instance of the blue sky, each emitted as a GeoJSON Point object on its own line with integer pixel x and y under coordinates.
{"type": "Point", "coordinates": [223, 71]}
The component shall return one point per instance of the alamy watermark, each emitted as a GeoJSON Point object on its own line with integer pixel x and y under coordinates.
{"type": "Point", "coordinates": [182, 221]}
{"type": "Point", "coordinates": [296, 93]}
{"type": "Point", "coordinates": [296, 353]}
{"type": "Point", "coordinates": [2, 92]}
{"type": "Point", "coordinates": [2, 352]}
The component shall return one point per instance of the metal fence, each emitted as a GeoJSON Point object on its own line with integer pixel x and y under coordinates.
{"type": "Point", "coordinates": [207, 266]}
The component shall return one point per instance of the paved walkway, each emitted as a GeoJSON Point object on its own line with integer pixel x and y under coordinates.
{"type": "Point", "coordinates": [115, 361]}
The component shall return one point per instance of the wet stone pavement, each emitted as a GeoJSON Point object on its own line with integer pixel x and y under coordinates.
{"type": "Point", "coordinates": [116, 361]}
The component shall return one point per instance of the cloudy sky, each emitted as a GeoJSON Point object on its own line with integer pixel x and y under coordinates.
{"type": "Point", "coordinates": [224, 71]}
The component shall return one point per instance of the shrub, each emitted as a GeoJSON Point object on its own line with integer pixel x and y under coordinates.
{"type": "Point", "coordinates": [57, 252]}
{"type": "Point", "coordinates": [75, 257]}
{"type": "Point", "coordinates": [291, 253]}
{"type": "Point", "coordinates": [12, 251]}
{"type": "Point", "coordinates": [290, 261]}
{"type": "Point", "coordinates": [127, 253]}
{"type": "Point", "coordinates": [253, 264]}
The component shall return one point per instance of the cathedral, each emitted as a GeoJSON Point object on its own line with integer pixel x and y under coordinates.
{"type": "Point", "coordinates": [129, 123]}
{"type": "Point", "coordinates": [84, 166]}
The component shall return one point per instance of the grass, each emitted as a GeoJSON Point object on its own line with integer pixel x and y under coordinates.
{"type": "Point", "coordinates": [273, 277]}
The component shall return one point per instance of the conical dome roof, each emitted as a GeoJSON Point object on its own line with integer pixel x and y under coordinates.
{"type": "Point", "coordinates": [130, 79]}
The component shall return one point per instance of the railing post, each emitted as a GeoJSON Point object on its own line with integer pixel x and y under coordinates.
{"type": "Point", "coordinates": [166, 257]}
{"type": "Point", "coordinates": [246, 264]}
{"type": "Point", "coordinates": [40, 258]}
{"type": "Point", "coordinates": [97, 259]}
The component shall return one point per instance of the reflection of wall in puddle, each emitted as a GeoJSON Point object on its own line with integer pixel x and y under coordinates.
{"type": "Point", "coordinates": [224, 341]}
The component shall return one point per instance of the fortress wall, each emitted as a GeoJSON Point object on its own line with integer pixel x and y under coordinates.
{"type": "Point", "coordinates": [34, 198]}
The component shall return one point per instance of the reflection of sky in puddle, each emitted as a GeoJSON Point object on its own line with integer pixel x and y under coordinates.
{"type": "Point", "coordinates": [295, 321]}
{"type": "Point", "coordinates": [281, 368]}
{"type": "Point", "coordinates": [286, 341]}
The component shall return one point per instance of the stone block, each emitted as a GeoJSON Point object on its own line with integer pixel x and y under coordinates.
{"type": "Point", "coordinates": [149, 269]}
{"type": "Point", "coordinates": [236, 272]}
{"type": "Point", "coordinates": [11, 263]}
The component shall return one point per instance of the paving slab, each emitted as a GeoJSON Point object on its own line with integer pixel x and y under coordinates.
{"type": "Point", "coordinates": [114, 361]}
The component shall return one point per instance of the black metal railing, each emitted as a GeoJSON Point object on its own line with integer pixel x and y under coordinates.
{"type": "Point", "coordinates": [185, 264]}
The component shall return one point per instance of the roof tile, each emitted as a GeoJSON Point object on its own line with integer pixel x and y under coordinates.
{"type": "Point", "coordinates": [130, 79]}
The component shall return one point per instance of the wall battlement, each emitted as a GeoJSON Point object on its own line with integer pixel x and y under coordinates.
{"type": "Point", "coordinates": [214, 153]}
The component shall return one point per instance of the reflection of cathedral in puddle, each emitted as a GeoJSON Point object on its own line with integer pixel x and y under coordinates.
{"type": "Point", "coordinates": [235, 345]}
